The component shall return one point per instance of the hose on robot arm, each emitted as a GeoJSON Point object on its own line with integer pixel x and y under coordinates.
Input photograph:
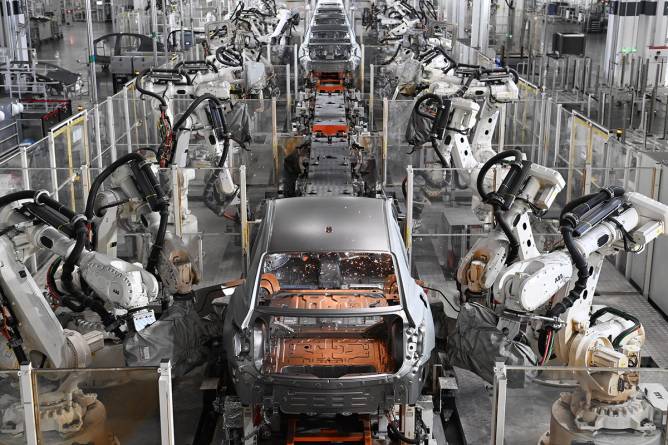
{"type": "Point", "coordinates": [76, 300]}
{"type": "Point", "coordinates": [568, 221]}
{"type": "Point", "coordinates": [439, 122]}
{"type": "Point", "coordinates": [218, 121]}
{"type": "Point", "coordinates": [504, 196]}
{"type": "Point", "coordinates": [149, 187]}
{"type": "Point", "coordinates": [145, 92]}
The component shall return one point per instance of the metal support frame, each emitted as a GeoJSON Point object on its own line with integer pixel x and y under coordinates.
{"type": "Point", "coordinates": [28, 402]}
{"type": "Point", "coordinates": [371, 94]}
{"type": "Point", "coordinates": [541, 129]}
{"type": "Point", "coordinates": [499, 404]}
{"type": "Point", "coordinates": [166, 409]}
{"type": "Point", "coordinates": [409, 214]}
{"type": "Point", "coordinates": [295, 61]}
{"type": "Point", "coordinates": [274, 141]}
{"type": "Point", "coordinates": [154, 31]}
{"type": "Point", "coordinates": [503, 115]}
{"type": "Point", "coordinates": [23, 150]}
{"type": "Point", "coordinates": [85, 181]}
{"type": "Point", "coordinates": [92, 81]}
{"type": "Point", "coordinates": [128, 126]}
{"type": "Point", "coordinates": [288, 101]}
{"type": "Point", "coordinates": [111, 129]}
{"type": "Point", "coordinates": [243, 208]}
{"type": "Point", "coordinates": [98, 136]}
{"type": "Point", "coordinates": [362, 71]}
{"type": "Point", "coordinates": [557, 134]}
{"type": "Point", "coordinates": [52, 165]}
{"type": "Point", "coordinates": [386, 115]}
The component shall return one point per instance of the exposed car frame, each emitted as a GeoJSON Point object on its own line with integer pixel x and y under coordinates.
{"type": "Point", "coordinates": [329, 224]}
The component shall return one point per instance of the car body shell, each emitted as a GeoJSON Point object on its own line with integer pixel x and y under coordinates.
{"type": "Point", "coordinates": [330, 224]}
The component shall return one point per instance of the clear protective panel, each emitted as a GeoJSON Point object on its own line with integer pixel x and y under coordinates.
{"type": "Point", "coordinates": [12, 423]}
{"type": "Point", "coordinates": [210, 224]}
{"type": "Point", "coordinates": [40, 175]}
{"type": "Point", "coordinates": [120, 123]}
{"type": "Point", "coordinates": [445, 225]}
{"type": "Point", "coordinates": [399, 152]}
{"type": "Point", "coordinates": [550, 405]}
{"type": "Point", "coordinates": [98, 405]}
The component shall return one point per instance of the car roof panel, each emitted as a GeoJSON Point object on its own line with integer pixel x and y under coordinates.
{"type": "Point", "coordinates": [329, 224]}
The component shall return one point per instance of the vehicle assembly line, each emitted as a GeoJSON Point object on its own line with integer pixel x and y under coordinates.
{"type": "Point", "coordinates": [330, 222]}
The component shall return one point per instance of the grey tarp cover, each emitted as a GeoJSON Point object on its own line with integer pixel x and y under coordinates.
{"type": "Point", "coordinates": [180, 335]}
{"type": "Point", "coordinates": [476, 344]}
{"type": "Point", "coordinates": [418, 130]}
{"type": "Point", "coordinates": [238, 123]}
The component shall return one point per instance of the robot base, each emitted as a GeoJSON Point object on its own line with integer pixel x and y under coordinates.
{"type": "Point", "coordinates": [563, 431]}
{"type": "Point", "coordinates": [94, 431]}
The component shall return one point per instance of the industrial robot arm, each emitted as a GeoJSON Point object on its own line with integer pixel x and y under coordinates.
{"type": "Point", "coordinates": [526, 189]}
{"type": "Point", "coordinates": [451, 105]}
{"type": "Point", "coordinates": [89, 280]}
{"type": "Point", "coordinates": [135, 200]}
{"type": "Point", "coordinates": [558, 288]}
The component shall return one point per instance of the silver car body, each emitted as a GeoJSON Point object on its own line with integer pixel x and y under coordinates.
{"type": "Point", "coordinates": [320, 226]}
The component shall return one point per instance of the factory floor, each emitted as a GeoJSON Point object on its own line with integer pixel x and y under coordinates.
{"type": "Point", "coordinates": [474, 396]}
{"type": "Point", "coordinates": [71, 53]}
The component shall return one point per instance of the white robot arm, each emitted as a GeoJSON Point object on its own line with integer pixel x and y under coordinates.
{"type": "Point", "coordinates": [527, 189]}
{"type": "Point", "coordinates": [451, 104]}
{"type": "Point", "coordinates": [555, 292]}
{"type": "Point", "coordinates": [30, 228]}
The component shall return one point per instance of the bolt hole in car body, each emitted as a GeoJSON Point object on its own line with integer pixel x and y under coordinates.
{"type": "Point", "coordinates": [329, 320]}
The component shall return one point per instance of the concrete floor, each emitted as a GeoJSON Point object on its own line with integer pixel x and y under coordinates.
{"type": "Point", "coordinates": [71, 53]}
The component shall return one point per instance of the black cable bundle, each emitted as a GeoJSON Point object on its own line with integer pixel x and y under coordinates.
{"type": "Point", "coordinates": [568, 220]}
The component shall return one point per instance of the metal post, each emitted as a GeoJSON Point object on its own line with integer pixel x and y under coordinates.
{"type": "Point", "coordinates": [502, 127]}
{"type": "Point", "coordinates": [110, 128]}
{"type": "Point", "coordinates": [371, 94]}
{"type": "Point", "coordinates": [243, 208]}
{"type": "Point", "coordinates": [176, 201]}
{"type": "Point", "coordinates": [499, 406]}
{"type": "Point", "coordinates": [409, 215]}
{"type": "Point", "coordinates": [92, 81]}
{"type": "Point", "coordinates": [362, 72]}
{"type": "Point", "coordinates": [146, 122]}
{"type": "Point", "coordinates": [52, 165]}
{"type": "Point", "coordinates": [571, 160]}
{"type": "Point", "coordinates": [274, 141]}
{"type": "Point", "coordinates": [154, 31]}
{"type": "Point", "coordinates": [288, 101]}
{"type": "Point", "coordinates": [7, 33]}
{"type": "Point", "coordinates": [557, 135]}
{"type": "Point", "coordinates": [166, 409]}
{"type": "Point", "coordinates": [543, 62]}
{"type": "Point", "coordinates": [28, 402]}
{"type": "Point", "coordinates": [386, 115]}
{"type": "Point", "coordinates": [541, 128]}
{"type": "Point", "coordinates": [183, 33]}
{"type": "Point", "coordinates": [98, 136]}
{"type": "Point", "coordinates": [24, 167]}
{"type": "Point", "coordinates": [588, 159]}
{"type": "Point", "coordinates": [85, 181]}
{"type": "Point", "coordinates": [128, 127]}
{"type": "Point", "coordinates": [295, 60]}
